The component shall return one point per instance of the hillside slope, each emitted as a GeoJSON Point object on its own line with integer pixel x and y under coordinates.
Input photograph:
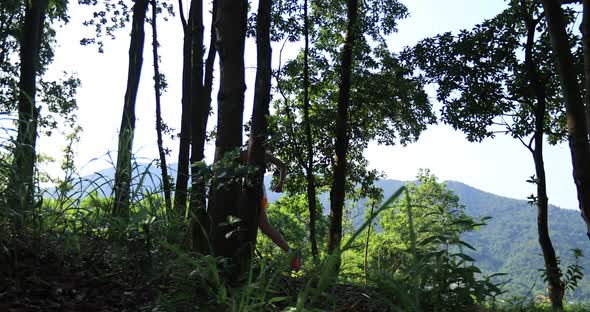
{"type": "Point", "coordinates": [507, 244]}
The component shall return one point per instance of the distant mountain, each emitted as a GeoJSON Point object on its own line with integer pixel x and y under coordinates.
{"type": "Point", "coordinates": [146, 176]}
{"type": "Point", "coordinates": [507, 244]}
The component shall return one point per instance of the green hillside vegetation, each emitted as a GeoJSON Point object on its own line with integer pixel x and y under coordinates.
{"type": "Point", "coordinates": [413, 265]}
{"type": "Point", "coordinates": [508, 242]}
{"type": "Point", "coordinates": [200, 235]}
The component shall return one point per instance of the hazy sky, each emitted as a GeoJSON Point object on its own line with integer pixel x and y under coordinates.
{"type": "Point", "coordinates": [500, 165]}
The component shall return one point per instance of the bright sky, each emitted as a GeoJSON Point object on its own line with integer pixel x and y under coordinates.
{"type": "Point", "coordinates": [500, 165]}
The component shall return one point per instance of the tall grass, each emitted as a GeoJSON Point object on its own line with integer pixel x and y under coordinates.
{"type": "Point", "coordinates": [78, 210]}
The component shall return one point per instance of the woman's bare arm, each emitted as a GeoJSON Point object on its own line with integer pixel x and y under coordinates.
{"type": "Point", "coordinates": [269, 231]}
{"type": "Point", "coordinates": [282, 170]}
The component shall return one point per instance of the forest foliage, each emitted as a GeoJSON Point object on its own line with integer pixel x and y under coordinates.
{"type": "Point", "coordinates": [522, 73]}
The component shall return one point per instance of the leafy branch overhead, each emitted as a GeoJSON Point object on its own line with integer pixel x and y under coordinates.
{"type": "Point", "coordinates": [481, 79]}
{"type": "Point", "coordinates": [387, 103]}
{"type": "Point", "coordinates": [111, 16]}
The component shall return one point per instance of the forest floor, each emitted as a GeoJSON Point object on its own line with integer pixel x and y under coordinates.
{"type": "Point", "coordinates": [39, 278]}
{"type": "Point", "coordinates": [31, 280]}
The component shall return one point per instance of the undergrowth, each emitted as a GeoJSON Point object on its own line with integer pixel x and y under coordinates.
{"type": "Point", "coordinates": [143, 263]}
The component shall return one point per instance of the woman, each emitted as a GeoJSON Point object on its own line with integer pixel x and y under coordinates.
{"type": "Point", "coordinates": [263, 223]}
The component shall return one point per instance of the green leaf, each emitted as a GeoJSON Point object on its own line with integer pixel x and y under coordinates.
{"type": "Point", "coordinates": [463, 256]}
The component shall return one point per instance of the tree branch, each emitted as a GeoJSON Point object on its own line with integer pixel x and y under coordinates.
{"type": "Point", "coordinates": [302, 162]}
{"type": "Point", "coordinates": [182, 18]}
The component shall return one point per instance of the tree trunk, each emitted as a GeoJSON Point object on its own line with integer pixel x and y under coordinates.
{"type": "Point", "coordinates": [231, 33]}
{"type": "Point", "coordinates": [182, 174]}
{"type": "Point", "coordinates": [158, 90]}
{"type": "Point", "coordinates": [252, 189]}
{"type": "Point", "coordinates": [123, 170]}
{"type": "Point", "coordinates": [198, 195]}
{"type": "Point", "coordinates": [21, 196]}
{"type": "Point", "coordinates": [555, 286]}
{"type": "Point", "coordinates": [311, 188]}
{"type": "Point", "coordinates": [576, 115]}
{"type": "Point", "coordinates": [341, 145]}
{"type": "Point", "coordinates": [210, 62]}
{"type": "Point", "coordinates": [556, 289]}
{"type": "Point", "coordinates": [199, 111]}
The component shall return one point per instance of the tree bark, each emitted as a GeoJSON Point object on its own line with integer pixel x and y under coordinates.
{"type": "Point", "coordinates": [210, 62]}
{"type": "Point", "coordinates": [337, 193]}
{"type": "Point", "coordinates": [576, 115]}
{"type": "Point", "coordinates": [231, 33]}
{"type": "Point", "coordinates": [21, 196]}
{"type": "Point", "coordinates": [556, 288]}
{"type": "Point", "coordinates": [310, 174]}
{"type": "Point", "coordinates": [198, 194]}
{"type": "Point", "coordinates": [199, 111]}
{"type": "Point", "coordinates": [252, 189]}
{"type": "Point", "coordinates": [123, 170]}
{"type": "Point", "coordinates": [158, 90]}
{"type": "Point", "coordinates": [182, 174]}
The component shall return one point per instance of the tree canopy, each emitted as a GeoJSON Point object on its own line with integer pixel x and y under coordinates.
{"type": "Point", "coordinates": [186, 235]}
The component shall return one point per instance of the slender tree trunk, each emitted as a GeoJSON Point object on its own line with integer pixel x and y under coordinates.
{"type": "Point", "coordinates": [182, 174]}
{"type": "Point", "coordinates": [199, 111]}
{"type": "Point", "coordinates": [556, 288]}
{"type": "Point", "coordinates": [21, 196]}
{"type": "Point", "coordinates": [198, 194]}
{"type": "Point", "coordinates": [231, 33]}
{"type": "Point", "coordinates": [210, 62]}
{"type": "Point", "coordinates": [252, 189]}
{"type": "Point", "coordinates": [311, 188]}
{"type": "Point", "coordinates": [158, 90]}
{"type": "Point", "coordinates": [576, 114]}
{"type": "Point", "coordinates": [123, 170]}
{"type": "Point", "coordinates": [337, 194]}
